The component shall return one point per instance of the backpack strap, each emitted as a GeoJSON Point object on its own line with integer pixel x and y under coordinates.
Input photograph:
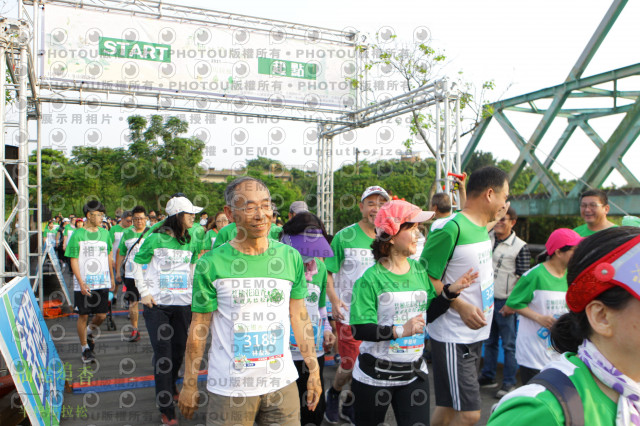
{"type": "Point", "coordinates": [124, 262]}
{"type": "Point", "coordinates": [559, 384]}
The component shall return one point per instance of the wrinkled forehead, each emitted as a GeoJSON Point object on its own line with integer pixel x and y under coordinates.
{"type": "Point", "coordinates": [251, 191]}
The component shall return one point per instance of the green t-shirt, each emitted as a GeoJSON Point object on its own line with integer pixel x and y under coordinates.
{"type": "Point", "coordinates": [352, 255]}
{"type": "Point", "coordinates": [49, 235]}
{"type": "Point", "coordinates": [464, 245]}
{"type": "Point", "coordinates": [249, 297]}
{"type": "Point", "coordinates": [544, 294]}
{"type": "Point", "coordinates": [92, 251]}
{"type": "Point", "coordinates": [230, 231]}
{"type": "Point", "coordinates": [384, 298]}
{"type": "Point", "coordinates": [209, 239]}
{"type": "Point", "coordinates": [116, 232]}
{"type": "Point", "coordinates": [534, 405]}
{"type": "Point", "coordinates": [316, 299]}
{"type": "Point", "coordinates": [129, 238]}
{"type": "Point", "coordinates": [197, 233]}
{"type": "Point", "coordinates": [168, 276]}
{"type": "Point", "coordinates": [584, 231]}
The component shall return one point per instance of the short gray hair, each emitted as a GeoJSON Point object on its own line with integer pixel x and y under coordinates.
{"type": "Point", "coordinates": [126, 214]}
{"type": "Point", "coordinates": [230, 190]}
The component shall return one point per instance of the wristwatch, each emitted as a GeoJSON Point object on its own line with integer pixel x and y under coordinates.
{"type": "Point", "coordinates": [399, 331]}
{"type": "Point", "coordinates": [447, 294]}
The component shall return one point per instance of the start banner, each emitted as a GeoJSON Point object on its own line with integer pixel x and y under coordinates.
{"type": "Point", "coordinates": [122, 51]}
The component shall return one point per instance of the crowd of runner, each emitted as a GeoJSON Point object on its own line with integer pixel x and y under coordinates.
{"type": "Point", "coordinates": [387, 293]}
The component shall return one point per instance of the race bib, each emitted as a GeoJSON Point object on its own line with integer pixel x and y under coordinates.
{"type": "Point", "coordinates": [487, 297]}
{"type": "Point", "coordinates": [174, 282]}
{"type": "Point", "coordinates": [407, 345]}
{"type": "Point", "coordinates": [257, 344]}
{"type": "Point", "coordinates": [97, 281]}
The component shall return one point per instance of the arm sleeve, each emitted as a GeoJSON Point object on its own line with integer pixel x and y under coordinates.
{"type": "Point", "coordinates": [223, 235]}
{"type": "Point", "coordinates": [522, 293]}
{"type": "Point", "coordinates": [523, 261]}
{"type": "Point", "coordinates": [144, 255]}
{"type": "Point", "coordinates": [438, 306]}
{"type": "Point", "coordinates": [205, 296]}
{"type": "Point", "coordinates": [372, 332]}
{"type": "Point", "coordinates": [438, 249]}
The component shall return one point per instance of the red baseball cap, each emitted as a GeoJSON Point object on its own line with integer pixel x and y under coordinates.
{"type": "Point", "coordinates": [560, 238]}
{"type": "Point", "coordinates": [396, 212]}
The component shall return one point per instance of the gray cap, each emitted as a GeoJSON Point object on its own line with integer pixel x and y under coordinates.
{"type": "Point", "coordinates": [298, 207]}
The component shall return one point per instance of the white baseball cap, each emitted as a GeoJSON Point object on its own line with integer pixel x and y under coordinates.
{"type": "Point", "coordinates": [373, 190]}
{"type": "Point", "coordinates": [298, 207]}
{"type": "Point", "coordinates": [181, 205]}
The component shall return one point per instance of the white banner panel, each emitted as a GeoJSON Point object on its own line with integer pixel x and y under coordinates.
{"type": "Point", "coordinates": [117, 51]}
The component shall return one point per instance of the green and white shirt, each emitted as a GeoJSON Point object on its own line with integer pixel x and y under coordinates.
{"type": "Point", "coordinates": [249, 297]}
{"type": "Point", "coordinates": [50, 235]}
{"type": "Point", "coordinates": [472, 250]}
{"type": "Point", "coordinates": [535, 405]}
{"type": "Point", "coordinates": [168, 276]}
{"type": "Point", "coordinates": [116, 232]}
{"type": "Point", "coordinates": [384, 298]}
{"type": "Point", "coordinates": [545, 294]}
{"type": "Point", "coordinates": [316, 299]}
{"type": "Point", "coordinates": [129, 238]}
{"type": "Point", "coordinates": [197, 233]}
{"type": "Point", "coordinates": [68, 232]}
{"type": "Point", "coordinates": [209, 239]}
{"type": "Point", "coordinates": [230, 231]}
{"type": "Point", "coordinates": [352, 255]}
{"type": "Point", "coordinates": [92, 251]}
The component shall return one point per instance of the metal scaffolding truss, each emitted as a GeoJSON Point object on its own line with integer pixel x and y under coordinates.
{"type": "Point", "coordinates": [15, 39]}
{"type": "Point", "coordinates": [578, 89]}
{"type": "Point", "coordinates": [438, 94]}
{"type": "Point", "coordinates": [17, 45]}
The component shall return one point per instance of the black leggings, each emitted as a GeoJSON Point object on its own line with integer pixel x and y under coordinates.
{"type": "Point", "coordinates": [410, 403]}
{"type": "Point", "coordinates": [308, 417]}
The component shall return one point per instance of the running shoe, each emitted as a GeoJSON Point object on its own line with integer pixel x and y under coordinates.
{"type": "Point", "coordinates": [87, 356]}
{"type": "Point", "coordinates": [91, 342]}
{"type": "Point", "coordinates": [486, 382]}
{"type": "Point", "coordinates": [135, 336]}
{"type": "Point", "coordinates": [347, 412]}
{"type": "Point", "coordinates": [331, 413]}
{"type": "Point", "coordinates": [167, 421]}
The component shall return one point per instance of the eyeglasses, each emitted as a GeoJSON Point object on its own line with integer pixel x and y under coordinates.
{"type": "Point", "coordinates": [253, 208]}
{"type": "Point", "coordinates": [590, 205]}
{"type": "Point", "coordinates": [222, 220]}
{"type": "Point", "coordinates": [139, 218]}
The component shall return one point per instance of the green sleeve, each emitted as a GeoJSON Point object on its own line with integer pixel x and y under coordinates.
{"type": "Point", "coordinates": [522, 293]}
{"type": "Point", "coordinates": [431, 291]}
{"type": "Point", "coordinates": [195, 249]}
{"type": "Point", "coordinates": [322, 271]}
{"type": "Point", "coordinates": [299, 288]}
{"type": "Point", "coordinates": [274, 232]}
{"type": "Point", "coordinates": [438, 250]}
{"type": "Point", "coordinates": [525, 411]}
{"type": "Point", "coordinates": [109, 244]}
{"type": "Point", "coordinates": [112, 233]}
{"type": "Point", "coordinates": [73, 246]}
{"type": "Point", "coordinates": [224, 235]}
{"type": "Point", "coordinates": [333, 263]}
{"type": "Point", "coordinates": [364, 305]}
{"type": "Point", "coordinates": [205, 296]}
{"type": "Point", "coordinates": [144, 255]}
{"type": "Point", "coordinates": [123, 247]}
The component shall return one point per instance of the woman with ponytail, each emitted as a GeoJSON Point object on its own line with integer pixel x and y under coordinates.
{"type": "Point", "coordinates": [600, 338]}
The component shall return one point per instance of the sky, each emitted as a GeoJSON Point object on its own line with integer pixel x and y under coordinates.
{"type": "Point", "coordinates": [521, 46]}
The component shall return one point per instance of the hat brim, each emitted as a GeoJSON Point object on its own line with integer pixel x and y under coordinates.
{"type": "Point", "coordinates": [311, 245]}
{"type": "Point", "coordinates": [384, 194]}
{"type": "Point", "coordinates": [422, 216]}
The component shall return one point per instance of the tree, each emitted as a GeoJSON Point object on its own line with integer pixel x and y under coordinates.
{"type": "Point", "coordinates": [159, 162]}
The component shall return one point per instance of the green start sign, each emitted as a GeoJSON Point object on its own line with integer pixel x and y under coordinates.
{"type": "Point", "coordinates": [119, 48]}
{"type": "Point", "coordinates": [283, 68]}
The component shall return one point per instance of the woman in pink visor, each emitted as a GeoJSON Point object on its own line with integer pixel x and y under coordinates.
{"type": "Point", "coordinates": [391, 304]}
